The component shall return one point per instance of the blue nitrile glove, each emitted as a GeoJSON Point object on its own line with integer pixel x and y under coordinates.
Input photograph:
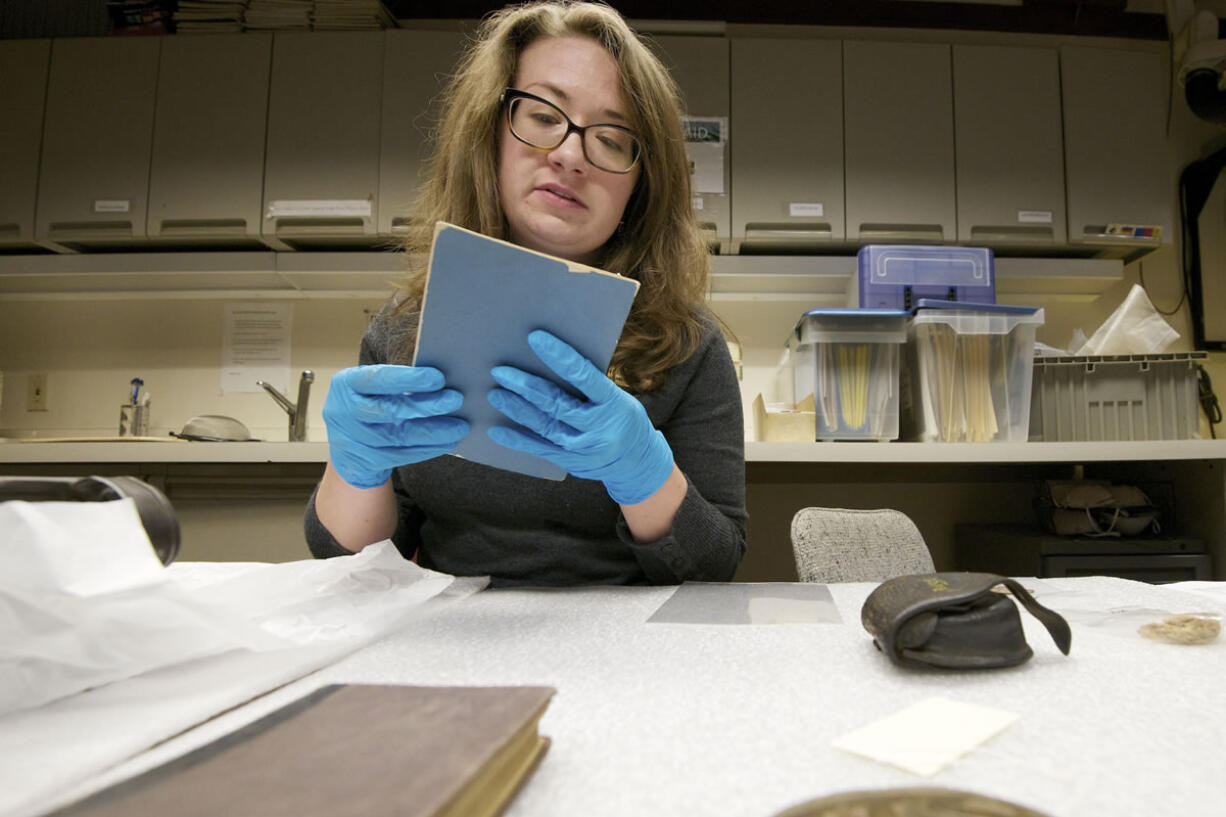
{"type": "Point", "coordinates": [606, 437]}
{"type": "Point", "coordinates": [382, 416]}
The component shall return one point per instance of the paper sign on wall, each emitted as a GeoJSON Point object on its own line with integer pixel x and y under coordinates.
{"type": "Point", "coordinates": [255, 346]}
{"type": "Point", "coordinates": [706, 138]}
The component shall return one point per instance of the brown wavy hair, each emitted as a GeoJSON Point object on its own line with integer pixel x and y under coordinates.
{"type": "Point", "coordinates": [658, 243]}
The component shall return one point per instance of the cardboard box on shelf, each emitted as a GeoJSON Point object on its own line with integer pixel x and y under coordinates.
{"type": "Point", "coordinates": [776, 422]}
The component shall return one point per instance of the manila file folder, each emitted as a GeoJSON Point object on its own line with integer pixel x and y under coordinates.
{"type": "Point", "coordinates": [483, 297]}
{"type": "Point", "coordinates": [356, 750]}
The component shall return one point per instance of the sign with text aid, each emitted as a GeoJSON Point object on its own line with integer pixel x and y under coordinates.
{"type": "Point", "coordinates": [483, 297]}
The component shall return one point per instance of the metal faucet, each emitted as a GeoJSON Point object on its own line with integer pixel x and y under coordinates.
{"type": "Point", "coordinates": [297, 412]}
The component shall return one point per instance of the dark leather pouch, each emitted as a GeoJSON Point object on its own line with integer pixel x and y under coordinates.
{"type": "Point", "coordinates": [955, 620]}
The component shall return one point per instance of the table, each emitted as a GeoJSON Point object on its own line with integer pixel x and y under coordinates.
{"type": "Point", "coordinates": [705, 719]}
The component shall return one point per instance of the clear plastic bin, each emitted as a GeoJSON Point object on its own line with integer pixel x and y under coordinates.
{"type": "Point", "coordinates": [1116, 397]}
{"type": "Point", "coordinates": [848, 360]}
{"type": "Point", "coordinates": [968, 374]}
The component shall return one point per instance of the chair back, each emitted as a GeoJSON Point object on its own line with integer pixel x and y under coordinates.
{"type": "Point", "coordinates": [848, 545]}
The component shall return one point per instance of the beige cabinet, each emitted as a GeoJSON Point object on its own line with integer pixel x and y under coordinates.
{"type": "Point", "coordinates": [700, 67]}
{"type": "Point", "coordinates": [207, 172]}
{"type": "Point", "coordinates": [415, 66]}
{"type": "Point", "coordinates": [1010, 160]}
{"type": "Point", "coordinates": [787, 144]}
{"type": "Point", "coordinates": [321, 167]}
{"type": "Point", "coordinates": [1116, 156]}
{"type": "Point", "coordinates": [23, 90]}
{"type": "Point", "coordinates": [97, 136]}
{"type": "Point", "coordinates": [898, 115]}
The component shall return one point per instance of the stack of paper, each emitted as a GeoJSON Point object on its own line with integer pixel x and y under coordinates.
{"type": "Point", "coordinates": [278, 14]}
{"type": "Point", "coordinates": [352, 14]}
{"type": "Point", "coordinates": [209, 16]}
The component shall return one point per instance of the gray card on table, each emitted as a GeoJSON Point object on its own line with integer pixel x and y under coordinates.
{"type": "Point", "coordinates": [748, 603]}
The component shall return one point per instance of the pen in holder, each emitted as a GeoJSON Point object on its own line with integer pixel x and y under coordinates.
{"type": "Point", "coordinates": [134, 415]}
{"type": "Point", "coordinates": [134, 420]}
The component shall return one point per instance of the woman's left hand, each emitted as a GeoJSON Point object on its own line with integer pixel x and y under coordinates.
{"type": "Point", "coordinates": [607, 437]}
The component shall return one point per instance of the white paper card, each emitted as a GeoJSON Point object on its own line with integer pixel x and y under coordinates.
{"type": "Point", "coordinates": [319, 208]}
{"type": "Point", "coordinates": [112, 206]}
{"type": "Point", "coordinates": [1034, 216]}
{"type": "Point", "coordinates": [927, 736]}
{"type": "Point", "coordinates": [806, 209]}
{"type": "Point", "coordinates": [255, 346]}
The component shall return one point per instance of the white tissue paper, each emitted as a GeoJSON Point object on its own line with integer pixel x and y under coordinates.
{"type": "Point", "coordinates": [85, 601]}
{"type": "Point", "coordinates": [1134, 328]}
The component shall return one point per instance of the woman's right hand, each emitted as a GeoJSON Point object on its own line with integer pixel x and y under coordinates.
{"type": "Point", "coordinates": [382, 416]}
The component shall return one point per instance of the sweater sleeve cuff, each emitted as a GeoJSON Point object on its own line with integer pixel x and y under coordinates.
{"type": "Point", "coordinates": [319, 538]}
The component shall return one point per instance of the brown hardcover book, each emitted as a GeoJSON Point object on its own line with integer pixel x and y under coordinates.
{"type": "Point", "coordinates": [353, 750]}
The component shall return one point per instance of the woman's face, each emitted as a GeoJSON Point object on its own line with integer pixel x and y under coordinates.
{"type": "Point", "coordinates": [555, 201]}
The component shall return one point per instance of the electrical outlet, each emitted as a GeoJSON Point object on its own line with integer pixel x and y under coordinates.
{"type": "Point", "coordinates": [36, 392]}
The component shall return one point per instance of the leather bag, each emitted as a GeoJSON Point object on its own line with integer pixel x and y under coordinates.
{"type": "Point", "coordinates": [955, 621]}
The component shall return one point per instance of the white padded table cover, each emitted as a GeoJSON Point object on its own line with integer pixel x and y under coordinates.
{"type": "Point", "coordinates": [737, 721]}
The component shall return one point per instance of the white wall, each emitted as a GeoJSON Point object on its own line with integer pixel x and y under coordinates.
{"type": "Point", "coordinates": [91, 349]}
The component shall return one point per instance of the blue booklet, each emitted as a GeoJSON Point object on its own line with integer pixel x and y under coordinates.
{"type": "Point", "coordinates": [483, 296]}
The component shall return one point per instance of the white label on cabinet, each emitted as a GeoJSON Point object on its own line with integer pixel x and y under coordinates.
{"type": "Point", "coordinates": [112, 205]}
{"type": "Point", "coordinates": [806, 208]}
{"type": "Point", "coordinates": [697, 202]}
{"type": "Point", "coordinates": [299, 208]}
{"type": "Point", "coordinates": [1034, 216]}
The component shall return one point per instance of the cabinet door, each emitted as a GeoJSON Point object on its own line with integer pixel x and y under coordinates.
{"type": "Point", "coordinates": [1010, 155]}
{"type": "Point", "coordinates": [1115, 149]}
{"type": "Point", "coordinates": [700, 67]}
{"type": "Point", "coordinates": [206, 178]}
{"type": "Point", "coordinates": [787, 132]}
{"type": "Point", "coordinates": [94, 176]}
{"type": "Point", "coordinates": [321, 169]}
{"type": "Point", "coordinates": [899, 137]}
{"type": "Point", "coordinates": [415, 66]}
{"type": "Point", "coordinates": [23, 91]}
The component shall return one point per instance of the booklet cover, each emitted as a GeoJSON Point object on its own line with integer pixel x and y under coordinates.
{"type": "Point", "coordinates": [356, 750]}
{"type": "Point", "coordinates": [483, 296]}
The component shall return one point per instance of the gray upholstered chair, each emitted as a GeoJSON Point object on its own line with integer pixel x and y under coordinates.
{"type": "Point", "coordinates": [843, 545]}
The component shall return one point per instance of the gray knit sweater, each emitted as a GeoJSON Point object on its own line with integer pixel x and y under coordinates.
{"type": "Point", "coordinates": [468, 519]}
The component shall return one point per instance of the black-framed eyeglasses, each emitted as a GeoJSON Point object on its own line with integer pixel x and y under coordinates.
{"type": "Point", "coordinates": [540, 124]}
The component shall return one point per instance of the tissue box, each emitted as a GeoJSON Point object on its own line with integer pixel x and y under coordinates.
{"type": "Point", "coordinates": [1116, 397]}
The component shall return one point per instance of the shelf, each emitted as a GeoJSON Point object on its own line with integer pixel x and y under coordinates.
{"type": "Point", "coordinates": [263, 274]}
{"type": "Point", "coordinates": [373, 274]}
{"type": "Point", "coordinates": [986, 453]}
{"type": "Point", "coordinates": [886, 454]}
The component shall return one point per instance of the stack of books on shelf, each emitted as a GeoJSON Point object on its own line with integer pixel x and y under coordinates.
{"type": "Point", "coordinates": [209, 16]}
{"type": "Point", "coordinates": [352, 15]}
{"type": "Point", "coordinates": [279, 14]}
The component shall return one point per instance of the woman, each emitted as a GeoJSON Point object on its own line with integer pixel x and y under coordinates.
{"type": "Point", "coordinates": [559, 132]}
